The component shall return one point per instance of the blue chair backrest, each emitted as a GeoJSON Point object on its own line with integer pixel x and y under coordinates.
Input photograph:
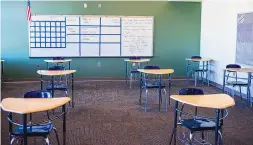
{"type": "Point", "coordinates": [38, 94]}
{"type": "Point", "coordinates": [56, 68]}
{"type": "Point", "coordinates": [196, 57]}
{"type": "Point", "coordinates": [191, 91]}
{"type": "Point", "coordinates": [151, 67]}
{"type": "Point", "coordinates": [135, 57]}
{"type": "Point", "coordinates": [58, 58]}
{"type": "Point", "coordinates": [233, 66]}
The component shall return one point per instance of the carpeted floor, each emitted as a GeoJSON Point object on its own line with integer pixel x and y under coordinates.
{"type": "Point", "coordinates": [108, 113]}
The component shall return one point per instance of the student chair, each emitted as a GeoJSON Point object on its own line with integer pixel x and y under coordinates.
{"type": "Point", "coordinates": [58, 58]}
{"type": "Point", "coordinates": [190, 91]}
{"type": "Point", "coordinates": [195, 123]}
{"type": "Point", "coordinates": [41, 129]}
{"type": "Point", "coordinates": [234, 80]}
{"type": "Point", "coordinates": [60, 82]}
{"type": "Point", "coordinates": [152, 82]}
{"type": "Point", "coordinates": [133, 69]}
{"type": "Point", "coordinates": [196, 68]}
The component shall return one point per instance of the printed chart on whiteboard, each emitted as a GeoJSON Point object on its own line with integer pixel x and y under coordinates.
{"type": "Point", "coordinates": [90, 36]}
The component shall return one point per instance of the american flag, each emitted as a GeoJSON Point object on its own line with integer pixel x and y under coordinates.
{"type": "Point", "coordinates": [28, 12]}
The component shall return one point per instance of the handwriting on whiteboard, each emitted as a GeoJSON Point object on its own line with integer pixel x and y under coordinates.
{"type": "Point", "coordinates": [137, 35]}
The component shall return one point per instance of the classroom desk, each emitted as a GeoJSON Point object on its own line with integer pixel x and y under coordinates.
{"type": "Point", "coordinates": [214, 101]}
{"type": "Point", "coordinates": [58, 61]}
{"type": "Point", "coordinates": [24, 106]}
{"type": "Point", "coordinates": [249, 71]}
{"type": "Point", "coordinates": [205, 63]}
{"type": "Point", "coordinates": [159, 72]}
{"type": "Point", "coordinates": [138, 61]}
{"type": "Point", "coordinates": [53, 73]}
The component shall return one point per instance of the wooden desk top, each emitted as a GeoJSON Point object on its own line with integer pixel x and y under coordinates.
{"type": "Point", "coordinates": [245, 70]}
{"type": "Point", "coordinates": [2, 60]}
{"type": "Point", "coordinates": [216, 101]}
{"type": "Point", "coordinates": [58, 61]}
{"type": "Point", "coordinates": [137, 60]}
{"type": "Point", "coordinates": [157, 71]}
{"type": "Point", "coordinates": [55, 72]}
{"type": "Point", "coordinates": [200, 60]}
{"type": "Point", "coordinates": [32, 105]}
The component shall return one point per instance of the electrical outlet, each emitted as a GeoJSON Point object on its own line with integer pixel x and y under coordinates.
{"type": "Point", "coordinates": [99, 5]}
{"type": "Point", "coordinates": [99, 64]}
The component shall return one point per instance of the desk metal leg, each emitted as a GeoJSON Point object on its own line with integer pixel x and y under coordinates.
{"type": "Point", "coordinates": [47, 64]}
{"type": "Point", "coordinates": [169, 86]}
{"type": "Point", "coordinates": [224, 77]}
{"type": "Point", "coordinates": [10, 124]}
{"type": "Point", "coordinates": [72, 91]}
{"type": "Point", "coordinates": [52, 82]}
{"type": "Point", "coordinates": [207, 73]}
{"type": "Point", "coordinates": [126, 77]}
{"type": "Point", "coordinates": [2, 70]}
{"type": "Point", "coordinates": [186, 67]}
{"type": "Point", "coordinates": [221, 122]}
{"type": "Point", "coordinates": [140, 84]}
{"type": "Point", "coordinates": [160, 91]}
{"type": "Point", "coordinates": [174, 131]}
{"type": "Point", "coordinates": [248, 90]}
{"type": "Point", "coordinates": [202, 73]}
{"type": "Point", "coordinates": [41, 82]}
{"type": "Point", "coordinates": [64, 124]}
{"type": "Point", "coordinates": [24, 117]}
{"type": "Point", "coordinates": [69, 65]}
{"type": "Point", "coordinates": [216, 133]}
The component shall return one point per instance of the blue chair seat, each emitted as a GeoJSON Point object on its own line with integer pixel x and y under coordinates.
{"type": "Point", "coordinates": [238, 83]}
{"type": "Point", "coordinates": [134, 71]}
{"type": "Point", "coordinates": [200, 124]}
{"type": "Point", "coordinates": [37, 130]}
{"type": "Point", "coordinates": [57, 87]}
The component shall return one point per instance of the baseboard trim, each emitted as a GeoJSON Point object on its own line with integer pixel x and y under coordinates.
{"type": "Point", "coordinates": [82, 79]}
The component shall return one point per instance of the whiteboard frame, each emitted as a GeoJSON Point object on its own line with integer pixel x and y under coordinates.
{"type": "Point", "coordinates": [121, 16]}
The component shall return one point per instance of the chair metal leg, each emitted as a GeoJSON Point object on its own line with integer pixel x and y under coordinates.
{"type": "Point", "coordinates": [47, 141]}
{"type": "Point", "coordinates": [12, 140]}
{"type": "Point", "coordinates": [165, 100]}
{"type": "Point", "coordinates": [240, 92]}
{"type": "Point", "coordinates": [233, 93]}
{"type": "Point", "coordinates": [201, 77]}
{"type": "Point", "coordinates": [203, 137]}
{"type": "Point", "coordinates": [180, 114]}
{"type": "Point", "coordinates": [191, 138]}
{"type": "Point", "coordinates": [220, 139]}
{"type": "Point", "coordinates": [66, 95]}
{"type": "Point", "coordinates": [146, 100]}
{"type": "Point", "coordinates": [196, 79]}
{"type": "Point", "coordinates": [57, 137]}
{"type": "Point", "coordinates": [131, 78]}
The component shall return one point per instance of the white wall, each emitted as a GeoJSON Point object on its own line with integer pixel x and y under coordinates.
{"type": "Point", "coordinates": [218, 32]}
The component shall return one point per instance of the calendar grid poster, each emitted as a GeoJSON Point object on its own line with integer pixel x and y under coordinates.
{"type": "Point", "coordinates": [244, 43]}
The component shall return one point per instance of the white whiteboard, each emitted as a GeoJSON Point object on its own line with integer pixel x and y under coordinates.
{"type": "Point", "coordinates": [90, 36]}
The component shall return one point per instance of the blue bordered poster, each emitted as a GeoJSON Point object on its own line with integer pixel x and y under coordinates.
{"type": "Point", "coordinates": [90, 36]}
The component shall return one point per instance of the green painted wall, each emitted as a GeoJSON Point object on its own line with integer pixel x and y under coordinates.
{"type": "Point", "coordinates": [176, 35]}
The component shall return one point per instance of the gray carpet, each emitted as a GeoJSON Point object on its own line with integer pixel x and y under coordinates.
{"type": "Point", "coordinates": [108, 113]}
